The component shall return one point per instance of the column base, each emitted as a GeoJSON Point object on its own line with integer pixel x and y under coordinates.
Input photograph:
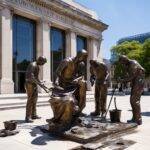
{"type": "Point", "coordinates": [89, 87]}
{"type": "Point", "coordinates": [6, 86]}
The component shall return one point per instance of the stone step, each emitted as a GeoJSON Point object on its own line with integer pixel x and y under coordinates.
{"type": "Point", "coordinates": [19, 96]}
{"type": "Point", "coordinates": [18, 106]}
{"type": "Point", "coordinates": [24, 96]}
{"type": "Point", "coordinates": [17, 101]}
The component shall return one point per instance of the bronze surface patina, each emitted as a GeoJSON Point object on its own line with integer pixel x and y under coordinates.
{"type": "Point", "coordinates": [69, 93]}
{"type": "Point", "coordinates": [32, 81]}
{"type": "Point", "coordinates": [135, 74]}
{"type": "Point", "coordinates": [99, 75]}
{"type": "Point", "coordinates": [68, 98]}
{"type": "Point", "coordinates": [10, 129]}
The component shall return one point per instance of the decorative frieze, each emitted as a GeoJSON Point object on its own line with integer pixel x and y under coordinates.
{"type": "Point", "coordinates": [40, 10]}
{"type": "Point", "coordinates": [48, 14]}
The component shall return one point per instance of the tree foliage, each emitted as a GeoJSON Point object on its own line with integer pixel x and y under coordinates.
{"type": "Point", "coordinates": [145, 59]}
{"type": "Point", "coordinates": [133, 50]}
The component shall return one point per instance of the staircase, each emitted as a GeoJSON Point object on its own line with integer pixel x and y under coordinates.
{"type": "Point", "coordinates": [18, 101]}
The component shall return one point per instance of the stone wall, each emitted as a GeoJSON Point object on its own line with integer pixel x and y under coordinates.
{"type": "Point", "coordinates": [46, 13]}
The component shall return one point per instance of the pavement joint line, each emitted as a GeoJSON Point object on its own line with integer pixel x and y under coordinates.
{"type": "Point", "coordinates": [23, 143]}
{"type": "Point", "coordinates": [142, 137]}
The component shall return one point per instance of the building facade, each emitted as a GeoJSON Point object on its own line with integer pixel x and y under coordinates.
{"type": "Point", "coordinates": [139, 37]}
{"type": "Point", "coordinates": [55, 29]}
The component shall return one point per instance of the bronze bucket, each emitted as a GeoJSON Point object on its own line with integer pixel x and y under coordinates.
{"type": "Point", "coordinates": [10, 125]}
{"type": "Point", "coordinates": [115, 115]}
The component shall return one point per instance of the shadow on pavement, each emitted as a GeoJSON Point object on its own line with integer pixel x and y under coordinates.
{"type": "Point", "coordinates": [147, 114]}
{"type": "Point", "coordinates": [43, 138]}
{"type": "Point", "coordinates": [20, 121]}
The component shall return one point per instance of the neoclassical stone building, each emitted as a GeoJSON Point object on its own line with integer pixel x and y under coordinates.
{"type": "Point", "coordinates": [53, 28]}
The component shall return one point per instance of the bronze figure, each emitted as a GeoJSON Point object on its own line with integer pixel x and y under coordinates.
{"type": "Point", "coordinates": [67, 77]}
{"type": "Point", "coordinates": [135, 75]}
{"type": "Point", "coordinates": [69, 93]}
{"type": "Point", "coordinates": [64, 110]}
{"type": "Point", "coordinates": [32, 81]}
{"type": "Point", "coordinates": [99, 75]}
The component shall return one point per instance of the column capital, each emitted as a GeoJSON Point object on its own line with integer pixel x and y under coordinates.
{"type": "Point", "coordinates": [12, 12]}
{"type": "Point", "coordinates": [44, 20]}
{"type": "Point", "coordinates": [100, 38]}
{"type": "Point", "coordinates": [71, 31]}
{"type": "Point", "coordinates": [3, 7]}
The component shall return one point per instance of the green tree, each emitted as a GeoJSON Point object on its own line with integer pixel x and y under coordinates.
{"type": "Point", "coordinates": [133, 50]}
{"type": "Point", "coordinates": [145, 57]}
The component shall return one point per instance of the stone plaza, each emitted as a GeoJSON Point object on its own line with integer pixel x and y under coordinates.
{"type": "Point", "coordinates": [32, 138]}
{"type": "Point", "coordinates": [55, 30]}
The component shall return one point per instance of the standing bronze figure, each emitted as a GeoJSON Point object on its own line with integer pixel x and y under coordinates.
{"type": "Point", "coordinates": [99, 75]}
{"type": "Point", "coordinates": [135, 75]}
{"type": "Point", "coordinates": [67, 77]}
{"type": "Point", "coordinates": [32, 81]}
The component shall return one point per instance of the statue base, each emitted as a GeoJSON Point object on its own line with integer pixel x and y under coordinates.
{"type": "Point", "coordinates": [95, 129]}
{"type": "Point", "coordinates": [89, 129]}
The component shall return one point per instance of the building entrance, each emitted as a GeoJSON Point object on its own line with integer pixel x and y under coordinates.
{"type": "Point", "coordinates": [24, 48]}
{"type": "Point", "coordinates": [57, 49]}
{"type": "Point", "coordinates": [82, 44]}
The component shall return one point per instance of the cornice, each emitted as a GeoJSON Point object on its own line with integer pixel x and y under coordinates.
{"type": "Point", "coordinates": [47, 10]}
{"type": "Point", "coordinates": [72, 12]}
{"type": "Point", "coordinates": [76, 13]}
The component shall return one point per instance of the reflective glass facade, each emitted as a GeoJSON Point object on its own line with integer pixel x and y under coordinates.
{"type": "Point", "coordinates": [139, 37]}
{"type": "Point", "coordinates": [24, 49]}
{"type": "Point", "coordinates": [82, 44]}
{"type": "Point", "coordinates": [57, 49]}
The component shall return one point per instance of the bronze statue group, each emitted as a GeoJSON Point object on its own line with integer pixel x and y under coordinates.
{"type": "Point", "coordinates": [68, 94]}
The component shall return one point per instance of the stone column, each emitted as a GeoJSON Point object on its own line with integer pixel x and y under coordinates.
{"type": "Point", "coordinates": [71, 44]}
{"type": "Point", "coordinates": [99, 53]}
{"type": "Point", "coordinates": [43, 49]}
{"type": "Point", "coordinates": [6, 52]}
{"type": "Point", "coordinates": [93, 49]}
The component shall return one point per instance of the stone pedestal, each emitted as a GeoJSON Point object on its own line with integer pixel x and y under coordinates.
{"type": "Point", "coordinates": [6, 55]}
{"type": "Point", "coordinates": [95, 129]}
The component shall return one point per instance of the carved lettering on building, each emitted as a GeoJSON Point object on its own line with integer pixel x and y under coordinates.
{"type": "Point", "coordinates": [52, 15]}
{"type": "Point", "coordinates": [41, 10]}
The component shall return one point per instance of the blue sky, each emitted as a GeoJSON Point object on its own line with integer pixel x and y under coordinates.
{"type": "Point", "coordinates": [124, 17]}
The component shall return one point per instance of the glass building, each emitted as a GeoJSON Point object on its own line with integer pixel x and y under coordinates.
{"type": "Point", "coordinates": [55, 29]}
{"type": "Point", "coordinates": [139, 37]}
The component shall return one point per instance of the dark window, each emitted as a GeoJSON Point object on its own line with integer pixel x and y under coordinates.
{"type": "Point", "coordinates": [24, 47]}
{"type": "Point", "coordinates": [57, 49]}
{"type": "Point", "coordinates": [82, 44]}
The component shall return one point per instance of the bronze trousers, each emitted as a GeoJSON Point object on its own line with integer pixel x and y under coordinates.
{"type": "Point", "coordinates": [136, 93]}
{"type": "Point", "coordinates": [100, 98]}
{"type": "Point", "coordinates": [62, 109]}
{"type": "Point", "coordinates": [80, 95]}
{"type": "Point", "coordinates": [32, 93]}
